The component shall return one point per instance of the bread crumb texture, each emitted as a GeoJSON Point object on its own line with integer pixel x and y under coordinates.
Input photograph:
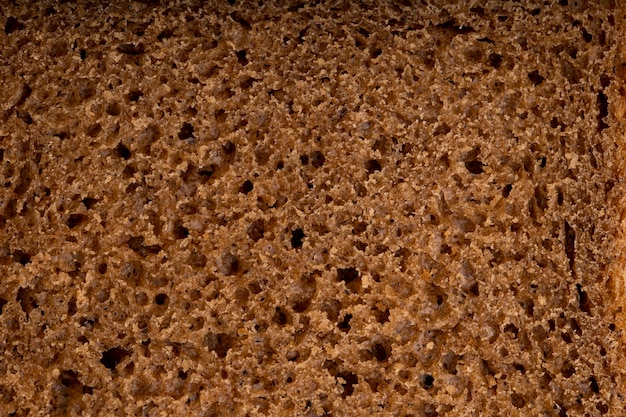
{"type": "Point", "coordinates": [290, 209]}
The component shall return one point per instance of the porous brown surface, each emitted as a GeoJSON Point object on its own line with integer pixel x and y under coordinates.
{"type": "Point", "coordinates": [396, 208]}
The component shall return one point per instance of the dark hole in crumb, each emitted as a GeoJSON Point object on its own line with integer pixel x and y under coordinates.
{"type": "Point", "coordinates": [26, 299]}
{"type": "Point", "coordinates": [69, 379]}
{"type": "Point", "coordinates": [21, 257]}
{"type": "Point", "coordinates": [61, 135]}
{"type": "Point", "coordinates": [568, 370]}
{"type": "Point", "coordinates": [554, 123]}
{"type": "Point", "coordinates": [205, 174]}
{"type": "Point", "coordinates": [304, 159]}
{"type": "Point", "coordinates": [25, 117]}
{"type": "Point", "coordinates": [220, 115]}
{"type": "Point", "coordinates": [71, 306]}
{"type": "Point", "coordinates": [180, 231]}
{"type": "Point", "coordinates": [570, 245]}
{"type": "Point", "coordinates": [439, 299]}
{"type": "Point", "coordinates": [280, 317]}
{"type": "Point", "coordinates": [246, 187]}
{"type": "Point", "coordinates": [359, 227]}
{"type": "Point", "coordinates": [603, 111]}
{"type": "Point", "coordinates": [161, 299]}
{"type": "Point", "coordinates": [535, 77]}
{"type": "Point", "coordinates": [583, 299]}
{"type": "Point", "coordinates": [611, 20]}
{"type": "Point", "coordinates": [300, 304]}
{"type": "Point", "coordinates": [372, 166]}
{"type": "Point", "coordinates": [112, 357]}
{"type": "Point", "coordinates": [517, 400]}
{"type": "Point", "coordinates": [350, 380]}
{"type": "Point", "coordinates": [186, 131]}
{"type": "Point", "coordinates": [122, 151]}
{"type": "Point", "coordinates": [89, 202]}
{"type": "Point", "coordinates": [535, 12]}
{"type": "Point", "coordinates": [379, 352]}
{"type": "Point", "coordinates": [453, 28]}
{"type": "Point", "coordinates": [474, 289]}
{"type": "Point", "coordinates": [567, 338]}
{"type": "Point", "coordinates": [247, 82]}
{"type": "Point", "coordinates": [495, 60]}
{"type": "Point", "coordinates": [102, 268]}
{"type": "Point", "coordinates": [25, 93]}
{"type": "Point", "coordinates": [136, 243]}
{"type": "Point", "coordinates": [593, 384]}
{"type": "Point", "coordinates": [296, 238]}
{"type": "Point", "coordinates": [475, 167]}
{"type": "Point", "coordinates": [229, 148]}
{"type": "Point", "coordinates": [512, 330]}
{"type": "Point", "coordinates": [376, 53]}
{"type": "Point", "coordinates": [445, 249]}
{"type": "Point", "coordinates": [241, 57]}
{"type": "Point", "coordinates": [442, 129]}
{"type": "Point", "coordinates": [237, 18]}
{"type": "Point", "coordinates": [12, 25]}
{"type": "Point", "coordinates": [605, 80]}
{"type": "Point", "coordinates": [347, 275]}
{"type": "Point", "coordinates": [131, 49]}
{"type": "Point", "coordinates": [3, 302]}
{"type": "Point", "coordinates": [75, 219]}
{"type": "Point", "coordinates": [344, 325]}
{"type": "Point", "coordinates": [134, 95]}
{"type": "Point", "coordinates": [427, 381]}
{"type": "Point", "coordinates": [165, 34]}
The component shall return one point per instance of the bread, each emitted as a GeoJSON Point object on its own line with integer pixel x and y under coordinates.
{"type": "Point", "coordinates": [287, 209]}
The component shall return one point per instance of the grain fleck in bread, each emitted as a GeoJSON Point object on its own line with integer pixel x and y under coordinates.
{"type": "Point", "coordinates": [400, 209]}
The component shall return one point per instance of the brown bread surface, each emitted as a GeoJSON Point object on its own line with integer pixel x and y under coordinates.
{"type": "Point", "coordinates": [288, 209]}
